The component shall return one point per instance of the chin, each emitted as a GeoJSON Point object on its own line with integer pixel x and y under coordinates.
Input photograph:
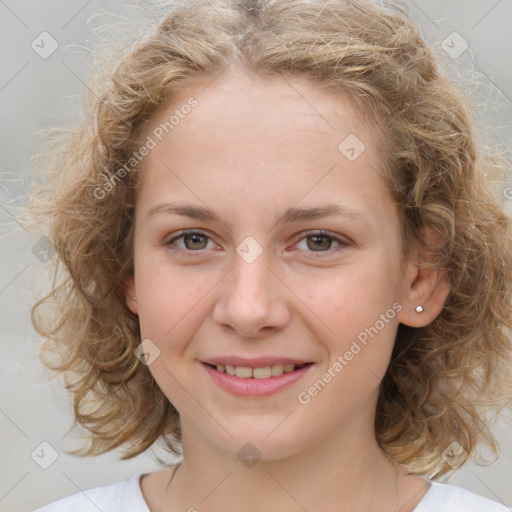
{"type": "Point", "coordinates": [269, 440]}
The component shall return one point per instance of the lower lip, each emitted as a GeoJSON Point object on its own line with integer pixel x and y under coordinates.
{"type": "Point", "coordinates": [255, 387]}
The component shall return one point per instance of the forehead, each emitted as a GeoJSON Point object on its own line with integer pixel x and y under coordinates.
{"type": "Point", "coordinates": [263, 139]}
{"type": "Point", "coordinates": [253, 108]}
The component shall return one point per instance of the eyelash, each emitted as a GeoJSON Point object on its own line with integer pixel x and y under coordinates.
{"type": "Point", "coordinates": [306, 234]}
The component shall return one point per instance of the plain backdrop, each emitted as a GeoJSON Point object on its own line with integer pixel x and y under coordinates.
{"type": "Point", "coordinates": [37, 93]}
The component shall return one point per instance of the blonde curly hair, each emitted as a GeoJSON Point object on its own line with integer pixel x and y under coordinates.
{"type": "Point", "coordinates": [443, 378]}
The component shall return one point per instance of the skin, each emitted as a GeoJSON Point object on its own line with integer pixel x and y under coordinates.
{"type": "Point", "coordinates": [249, 150]}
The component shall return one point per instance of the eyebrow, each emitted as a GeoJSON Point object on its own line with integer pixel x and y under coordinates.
{"type": "Point", "coordinates": [290, 215]}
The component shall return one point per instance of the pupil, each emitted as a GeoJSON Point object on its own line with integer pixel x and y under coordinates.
{"type": "Point", "coordinates": [195, 239]}
{"type": "Point", "coordinates": [316, 237]}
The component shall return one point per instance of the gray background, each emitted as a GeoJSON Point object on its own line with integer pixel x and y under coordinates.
{"type": "Point", "coordinates": [36, 93]}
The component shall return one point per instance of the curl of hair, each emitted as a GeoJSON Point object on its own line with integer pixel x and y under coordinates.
{"type": "Point", "coordinates": [443, 378]}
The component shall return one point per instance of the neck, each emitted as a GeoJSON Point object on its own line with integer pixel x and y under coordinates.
{"type": "Point", "coordinates": [345, 472]}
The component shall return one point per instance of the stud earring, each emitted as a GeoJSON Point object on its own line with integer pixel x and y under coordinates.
{"type": "Point", "coordinates": [135, 299]}
{"type": "Point", "coordinates": [419, 309]}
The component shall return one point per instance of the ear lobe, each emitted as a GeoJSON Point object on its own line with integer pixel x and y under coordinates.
{"type": "Point", "coordinates": [430, 291]}
{"type": "Point", "coordinates": [425, 286]}
{"type": "Point", "coordinates": [129, 292]}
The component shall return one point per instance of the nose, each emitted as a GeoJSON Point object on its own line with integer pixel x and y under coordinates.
{"type": "Point", "coordinates": [252, 299]}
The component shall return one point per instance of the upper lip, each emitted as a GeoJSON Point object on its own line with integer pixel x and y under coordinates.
{"type": "Point", "coordinates": [255, 362]}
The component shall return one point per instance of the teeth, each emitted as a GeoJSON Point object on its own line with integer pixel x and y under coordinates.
{"type": "Point", "coordinates": [265, 372]}
{"type": "Point", "coordinates": [243, 373]}
{"type": "Point", "coordinates": [262, 373]}
{"type": "Point", "coordinates": [277, 370]}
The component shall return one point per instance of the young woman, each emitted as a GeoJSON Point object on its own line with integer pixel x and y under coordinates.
{"type": "Point", "coordinates": [282, 259]}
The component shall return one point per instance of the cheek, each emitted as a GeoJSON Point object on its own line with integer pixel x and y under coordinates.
{"type": "Point", "coordinates": [169, 297]}
{"type": "Point", "coordinates": [171, 300]}
{"type": "Point", "coordinates": [350, 299]}
{"type": "Point", "coordinates": [358, 313]}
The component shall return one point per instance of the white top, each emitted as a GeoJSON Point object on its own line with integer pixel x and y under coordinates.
{"type": "Point", "coordinates": [127, 497]}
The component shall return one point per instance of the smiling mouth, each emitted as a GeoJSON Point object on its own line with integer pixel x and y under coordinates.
{"type": "Point", "coordinates": [265, 372]}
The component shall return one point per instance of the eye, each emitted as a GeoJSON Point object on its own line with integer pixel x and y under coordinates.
{"type": "Point", "coordinates": [193, 241]}
{"type": "Point", "coordinates": [322, 241]}
{"type": "Point", "coordinates": [196, 241]}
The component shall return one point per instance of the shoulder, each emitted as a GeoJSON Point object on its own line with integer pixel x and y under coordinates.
{"type": "Point", "coordinates": [451, 498]}
{"type": "Point", "coordinates": [123, 496]}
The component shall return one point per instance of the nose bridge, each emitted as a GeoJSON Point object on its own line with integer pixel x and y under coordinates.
{"type": "Point", "coordinates": [251, 276]}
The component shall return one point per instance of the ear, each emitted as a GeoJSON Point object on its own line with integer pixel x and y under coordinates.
{"type": "Point", "coordinates": [423, 285]}
{"type": "Point", "coordinates": [129, 292]}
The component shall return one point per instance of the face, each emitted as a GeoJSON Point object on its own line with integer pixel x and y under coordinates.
{"type": "Point", "coordinates": [255, 283]}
